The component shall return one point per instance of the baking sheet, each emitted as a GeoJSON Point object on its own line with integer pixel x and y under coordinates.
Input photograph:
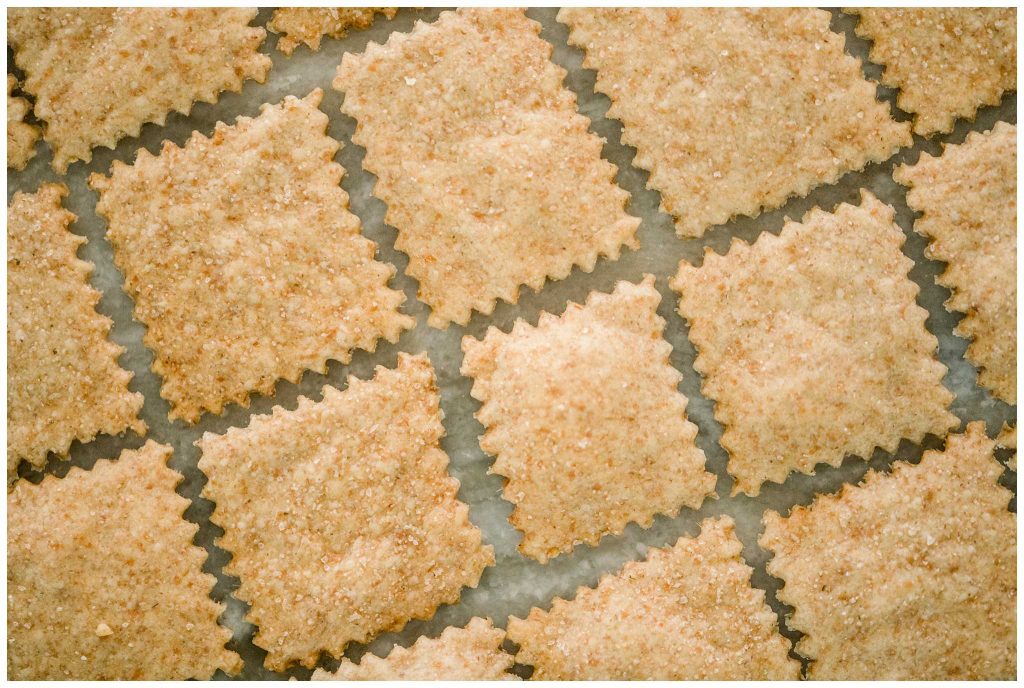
{"type": "Point", "coordinates": [516, 583]}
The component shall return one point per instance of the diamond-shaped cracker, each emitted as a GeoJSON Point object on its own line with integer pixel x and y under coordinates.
{"type": "Point", "coordinates": [98, 74]}
{"type": "Point", "coordinates": [244, 261]}
{"type": "Point", "coordinates": [340, 515]}
{"type": "Point", "coordinates": [63, 383]}
{"type": "Point", "coordinates": [910, 575]}
{"type": "Point", "coordinates": [103, 581]}
{"type": "Point", "coordinates": [21, 136]}
{"type": "Point", "coordinates": [488, 171]}
{"type": "Point", "coordinates": [947, 62]}
{"type": "Point", "coordinates": [472, 653]}
{"type": "Point", "coordinates": [586, 421]}
{"type": "Point", "coordinates": [733, 110]}
{"type": "Point", "coordinates": [310, 24]}
{"type": "Point", "coordinates": [686, 613]}
{"type": "Point", "coordinates": [968, 201]}
{"type": "Point", "coordinates": [812, 346]}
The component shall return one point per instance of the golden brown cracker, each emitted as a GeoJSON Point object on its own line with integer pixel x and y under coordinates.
{"type": "Point", "coordinates": [812, 346]}
{"type": "Point", "coordinates": [310, 24]}
{"type": "Point", "coordinates": [967, 198]}
{"type": "Point", "coordinates": [488, 172]}
{"type": "Point", "coordinates": [340, 515]}
{"type": "Point", "coordinates": [243, 259]}
{"type": "Point", "coordinates": [686, 613]}
{"type": "Point", "coordinates": [585, 418]}
{"type": "Point", "coordinates": [21, 136]}
{"type": "Point", "coordinates": [946, 61]}
{"type": "Point", "coordinates": [733, 110]}
{"type": "Point", "coordinates": [98, 74]}
{"type": "Point", "coordinates": [908, 576]}
{"type": "Point", "coordinates": [63, 383]}
{"type": "Point", "coordinates": [103, 581]}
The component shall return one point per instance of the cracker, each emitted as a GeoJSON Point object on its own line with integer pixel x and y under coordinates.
{"type": "Point", "coordinates": [908, 576]}
{"type": "Point", "coordinates": [472, 653]}
{"type": "Point", "coordinates": [686, 613]}
{"type": "Point", "coordinates": [586, 421]}
{"type": "Point", "coordinates": [98, 74]}
{"type": "Point", "coordinates": [812, 346]}
{"type": "Point", "coordinates": [21, 136]}
{"type": "Point", "coordinates": [968, 201]}
{"type": "Point", "coordinates": [340, 515]}
{"type": "Point", "coordinates": [310, 24]}
{"type": "Point", "coordinates": [946, 62]}
{"type": "Point", "coordinates": [103, 581]}
{"type": "Point", "coordinates": [63, 383]}
{"type": "Point", "coordinates": [733, 110]}
{"type": "Point", "coordinates": [488, 171]}
{"type": "Point", "coordinates": [243, 259]}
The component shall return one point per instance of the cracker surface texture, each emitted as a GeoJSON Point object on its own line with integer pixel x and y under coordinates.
{"type": "Point", "coordinates": [967, 198]}
{"type": "Point", "coordinates": [21, 136]}
{"type": "Point", "coordinates": [946, 62]}
{"type": "Point", "coordinates": [103, 581]}
{"type": "Point", "coordinates": [243, 259]}
{"type": "Point", "coordinates": [733, 110]}
{"type": "Point", "coordinates": [812, 346]}
{"type": "Point", "coordinates": [586, 421]}
{"type": "Point", "coordinates": [472, 653]}
{"type": "Point", "coordinates": [488, 172]}
{"type": "Point", "coordinates": [908, 576]}
{"type": "Point", "coordinates": [686, 613]}
{"type": "Point", "coordinates": [310, 24]}
{"type": "Point", "coordinates": [340, 515]}
{"type": "Point", "coordinates": [63, 383]}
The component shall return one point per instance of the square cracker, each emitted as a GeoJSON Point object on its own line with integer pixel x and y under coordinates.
{"type": "Point", "coordinates": [243, 259]}
{"type": "Point", "coordinates": [488, 171]}
{"type": "Point", "coordinates": [908, 576]}
{"type": "Point", "coordinates": [98, 74]}
{"type": "Point", "coordinates": [733, 110]}
{"type": "Point", "coordinates": [63, 383]}
{"type": "Point", "coordinates": [585, 418]}
{"type": "Point", "coordinates": [686, 613]}
{"type": "Point", "coordinates": [340, 515]}
{"type": "Point", "coordinates": [812, 346]}
{"type": "Point", "coordinates": [472, 653]}
{"type": "Point", "coordinates": [21, 136]}
{"type": "Point", "coordinates": [967, 198]}
{"type": "Point", "coordinates": [947, 62]}
{"type": "Point", "coordinates": [310, 24]}
{"type": "Point", "coordinates": [103, 581]}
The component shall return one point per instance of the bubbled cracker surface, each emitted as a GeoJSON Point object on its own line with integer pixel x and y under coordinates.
{"type": "Point", "coordinates": [586, 421]}
{"type": "Point", "coordinates": [686, 613]}
{"type": "Point", "coordinates": [472, 653]}
{"type": "Point", "coordinates": [812, 346]}
{"type": "Point", "coordinates": [911, 575]}
{"type": "Point", "coordinates": [243, 259]}
{"type": "Point", "coordinates": [103, 581]}
{"type": "Point", "coordinates": [21, 136]}
{"type": "Point", "coordinates": [967, 198]}
{"type": "Point", "coordinates": [488, 172]}
{"type": "Point", "coordinates": [947, 62]}
{"type": "Point", "coordinates": [64, 382]}
{"type": "Point", "coordinates": [733, 110]}
{"type": "Point", "coordinates": [340, 516]}
{"type": "Point", "coordinates": [98, 74]}
{"type": "Point", "coordinates": [310, 24]}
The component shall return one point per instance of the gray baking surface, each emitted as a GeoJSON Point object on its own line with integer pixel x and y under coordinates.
{"type": "Point", "coordinates": [515, 583]}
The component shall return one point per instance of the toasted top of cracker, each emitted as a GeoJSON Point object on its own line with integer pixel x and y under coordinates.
{"type": "Point", "coordinates": [733, 110]}
{"type": "Point", "coordinates": [946, 61]}
{"type": "Point", "coordinates": [967, 198]}
{"type": "Point", "coordinates": [21, 136]}
{"type": "Point", "coordinates": [489, 173]}
{"type": "Point", "coordinates": [243, 259]}
{"type": "Point", "coordinates": [103, 581]}
{"type": "Point", "coordinates": [310, 24]}
{"type": "Point", "coordinates": [910, 575]}
{"type": "Point", "coordinates": [340, 515]}
{"type": "Point", "coordinates": [64, 383]}
{"type": "Point", "coordinates": [98, 74]}
{"type": "Point", "coordinates": [812, 345]}
{"type": "Point", "coordinates": [586, 421]}
{"type": "Point", "coordinates": [686, 613]}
